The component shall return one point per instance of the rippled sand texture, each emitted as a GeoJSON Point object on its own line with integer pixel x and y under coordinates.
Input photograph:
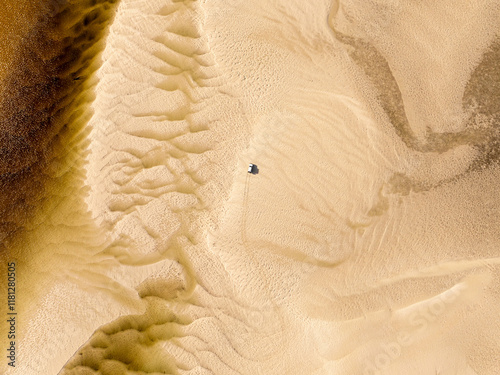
{"type": "Point", "coordinates": [367, 243]}
{"type": "Point", "coordinates": [45, 225]}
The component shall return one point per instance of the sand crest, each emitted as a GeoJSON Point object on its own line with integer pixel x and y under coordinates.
{"type": "Point", "coordinates": [365, 241]}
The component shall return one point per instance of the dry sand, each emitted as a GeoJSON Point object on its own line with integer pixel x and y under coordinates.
{"type": "Point", "coordinates": [367, 243]}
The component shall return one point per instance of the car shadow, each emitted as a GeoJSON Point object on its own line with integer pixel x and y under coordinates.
{"type": "Point", "coordinates": [255, 169]}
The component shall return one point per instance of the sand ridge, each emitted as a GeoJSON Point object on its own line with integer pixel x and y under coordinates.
{"type": "Point", "coordinates": [365, 243]}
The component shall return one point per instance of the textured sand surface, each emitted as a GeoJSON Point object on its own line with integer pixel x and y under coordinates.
{"type": "Point", "coordinates": [366, 243]}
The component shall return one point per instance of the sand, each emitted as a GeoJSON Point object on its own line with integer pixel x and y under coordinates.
{"type": "Point", "coordinates": [366, 241]}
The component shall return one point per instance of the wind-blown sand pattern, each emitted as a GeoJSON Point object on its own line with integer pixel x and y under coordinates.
{"type": "Point", "coordinates": [366, 241]}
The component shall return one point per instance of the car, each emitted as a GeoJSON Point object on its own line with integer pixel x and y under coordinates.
{"type": "Point", "coordinates": [250, 168]}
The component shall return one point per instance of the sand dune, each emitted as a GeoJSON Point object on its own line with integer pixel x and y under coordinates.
{"type": "Point", "coordinates": [366, 241]}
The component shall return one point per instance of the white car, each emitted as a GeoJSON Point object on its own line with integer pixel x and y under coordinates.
{"type": "Point", "coordinates": [250, 168]}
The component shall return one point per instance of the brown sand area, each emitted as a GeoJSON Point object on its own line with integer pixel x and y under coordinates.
{"type": "Point", "coordinates": [367, 243]}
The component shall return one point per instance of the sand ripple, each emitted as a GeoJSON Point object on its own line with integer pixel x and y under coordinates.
{"type": "Point", "coordinates": [366, 241]}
